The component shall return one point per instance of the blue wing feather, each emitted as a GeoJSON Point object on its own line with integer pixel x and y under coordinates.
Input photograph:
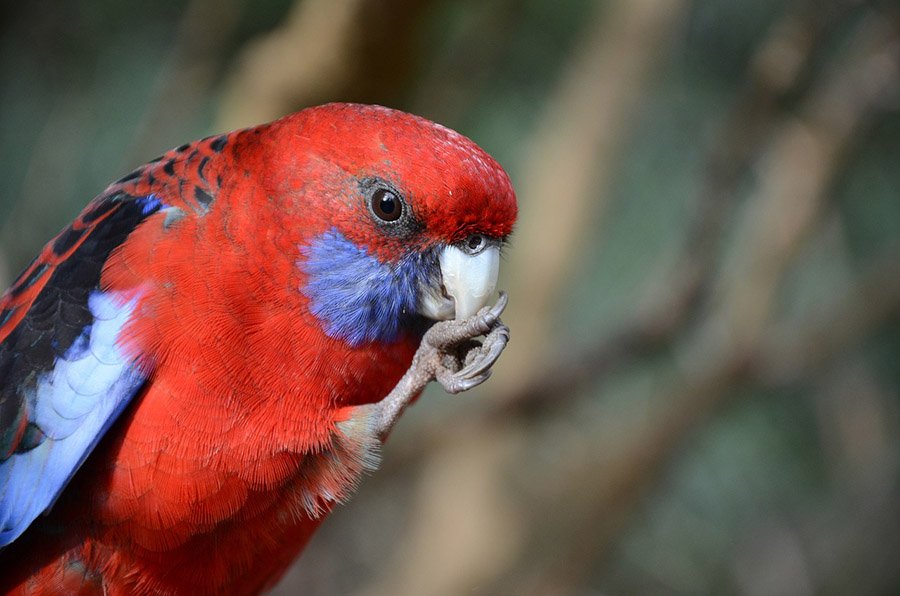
{"type": "Point", "coordinates": [64, 378]}
{"type": "Point", "coordinates": [73, 405]}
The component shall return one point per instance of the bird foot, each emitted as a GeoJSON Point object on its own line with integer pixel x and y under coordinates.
{"type": "Point", "coordinates": [450, 354]}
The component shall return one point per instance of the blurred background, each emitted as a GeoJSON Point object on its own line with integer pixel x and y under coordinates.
{"type": "Point", "coordinates": [702, 393]}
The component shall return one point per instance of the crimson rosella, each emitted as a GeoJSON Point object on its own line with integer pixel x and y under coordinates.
{"type": "Point", "coordinates": [207, 359]}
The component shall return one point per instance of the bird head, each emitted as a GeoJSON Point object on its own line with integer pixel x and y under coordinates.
{"type": "Point", "coordinates": [401, 218]}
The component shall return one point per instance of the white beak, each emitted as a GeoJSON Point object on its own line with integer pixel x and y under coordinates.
{"type": "Point", "coordinates": [469, 281]}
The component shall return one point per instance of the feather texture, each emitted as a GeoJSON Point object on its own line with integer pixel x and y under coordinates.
{"type": "Point", "coordinates": [201, 344]}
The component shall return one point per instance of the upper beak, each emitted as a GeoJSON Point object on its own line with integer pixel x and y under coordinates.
{"type": "Point", "coordinates": [468, 282]}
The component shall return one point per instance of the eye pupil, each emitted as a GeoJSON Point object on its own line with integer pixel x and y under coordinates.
{"type": "Point", "coordinates": [475, 242]}
{"type": "Point", "coordinates": [386, 205]}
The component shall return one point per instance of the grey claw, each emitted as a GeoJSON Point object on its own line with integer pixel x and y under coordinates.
{"type": "Point", "coordinates": [454, 383]}
{"type": "Point", "coordinates": [488, 318]}
{"type": "Point", "coordinates": [450, 354]}
{"type": "Point", "coordinates": [487, 354]}
{"type": "Point", "coordinates": [502, 301]}
{"type": "Point", "coordinates": [494, 313]}
{"type": "Point", "coordinates": [461, 361]}
{"type": "Point", "coordinates": [449, 333]}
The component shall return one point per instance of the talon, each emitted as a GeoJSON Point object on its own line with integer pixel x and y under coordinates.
{"type": "Point", "coordinates": [500, 306]}
{"type": "Point", "coordinates": [487, 354]}
{"type": "Point", "coordinates": [453, 383]}
{"type": "Point", "coordinates": [467, 384]}
{"type": "Point", "coordinates": [485, 320]}
{"type": "Point", "coordinates": [461, 362]}
{"type": "Point", "coordinates": [450, 355]}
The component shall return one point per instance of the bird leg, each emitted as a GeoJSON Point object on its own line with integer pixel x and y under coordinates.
{"type": "Point", "coordinates": [450, 354]}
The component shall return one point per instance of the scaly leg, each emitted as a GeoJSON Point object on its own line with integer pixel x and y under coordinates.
{"type": "Point", "coordinates": [449, 354]}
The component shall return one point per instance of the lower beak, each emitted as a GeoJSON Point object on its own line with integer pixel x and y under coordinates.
{"type": "Point", "coordinates": [467, 283]}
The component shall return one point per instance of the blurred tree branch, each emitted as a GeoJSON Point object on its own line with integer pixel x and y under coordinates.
{"type": "Point", "coordinates": [449, 88]}
{"type": "Point", "coordinates": [777, 70]}
{"type": "Point", "coordinates": [737, 344]}
{"type": "Point", "coordinates": [180, 86]}
{"type": "Point", "coordinates": [853, 542]}
{"type": "Point", "coordinates": [609, 493]}
{"type": "Point", "coordinates": [794, 353]}
{"type": "Point", "coordinates": [187, 75]}
{"type": "Point", "coordinates": [354, 50]}
{"type": "Point", "coordinates": [572, 158]}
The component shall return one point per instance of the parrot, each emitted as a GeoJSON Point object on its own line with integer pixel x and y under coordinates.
{"type": "Point", "coordinates": [207, 360]}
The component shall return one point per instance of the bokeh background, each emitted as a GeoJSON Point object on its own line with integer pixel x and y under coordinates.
{"type": "Point", "coordinates": [702, 393]}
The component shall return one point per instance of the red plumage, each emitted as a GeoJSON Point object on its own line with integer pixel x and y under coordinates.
{"type": "Point", "coordinates": [246, 431]}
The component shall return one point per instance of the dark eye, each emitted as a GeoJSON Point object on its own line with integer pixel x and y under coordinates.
{"type": "Point", "coordinates": [475, 243]}
{"type": "Point", "coordinates": [386, 205]}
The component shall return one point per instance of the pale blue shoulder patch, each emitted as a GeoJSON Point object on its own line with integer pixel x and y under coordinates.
{"type": "Point", "coordinates": [72, 406]}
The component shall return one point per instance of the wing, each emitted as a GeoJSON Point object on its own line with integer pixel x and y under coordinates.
{"type": "Point", "coordinates": [63, 378]}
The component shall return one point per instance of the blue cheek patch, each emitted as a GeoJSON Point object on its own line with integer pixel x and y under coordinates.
{"type": "Point", "coordinates": [358, 298]}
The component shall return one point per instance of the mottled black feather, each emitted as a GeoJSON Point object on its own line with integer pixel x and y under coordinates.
{"type": "Point", "coordinates": [24, 283]}
{"type": "Point", "coordinates": [132, 176]}
{"type": "Point", "coordinates": [60, 316]}
{"type": "Point", "coordinates": [203, 197]}
{"type": "Point", "coordinates": [6, 314]}
{"type": "Point", "coordinates": [103, 207]}
{"type": "Point", "coordinates": [202, 166]}
{"type": "Point", "coordinates": [67, 239]}
{"type": "Point", "coordinates": [219, 144]}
